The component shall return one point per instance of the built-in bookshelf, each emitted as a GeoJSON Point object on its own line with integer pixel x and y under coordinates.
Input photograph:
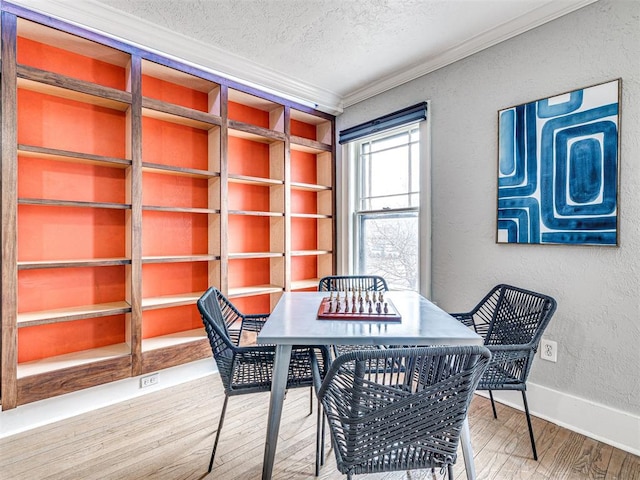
{"type": "Point", "coordinates": [130, 184]}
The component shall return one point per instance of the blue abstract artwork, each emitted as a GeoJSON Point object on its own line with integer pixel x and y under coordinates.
{"type": "Point", "coordinates": [558, 169]}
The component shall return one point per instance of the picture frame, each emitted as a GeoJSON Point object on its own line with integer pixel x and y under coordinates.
{"type": "Point", "coordinates": [558, 168]}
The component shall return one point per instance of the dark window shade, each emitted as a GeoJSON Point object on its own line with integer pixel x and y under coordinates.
{"type": "Point", "coordinates": [415, 113]}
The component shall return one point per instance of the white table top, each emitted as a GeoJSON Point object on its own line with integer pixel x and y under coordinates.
{"type": "Point", "coordinates": [294, 321]}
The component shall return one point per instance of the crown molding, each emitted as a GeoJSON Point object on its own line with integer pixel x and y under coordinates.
{"type": "Point", "coordinates": [140, 33]}
{"type": "Point", "coordinates": [532, 19]}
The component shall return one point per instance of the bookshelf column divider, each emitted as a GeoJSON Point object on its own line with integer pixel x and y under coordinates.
{"type": "Point", "coordinates": [224, 189]}
{"type": "Point", "coordinates": [9, 179]}
{"type": "Point", "coordinates": [287, 199]}
{"type": "Point", "coordinates": [134, 227]}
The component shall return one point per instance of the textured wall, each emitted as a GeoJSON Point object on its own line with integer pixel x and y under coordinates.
{"type": "Point", "coordinates": [597, 324]}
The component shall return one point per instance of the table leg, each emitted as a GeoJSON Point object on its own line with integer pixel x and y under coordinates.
{"type": "Point", "coordinates": [467, 450]}
{"type": "Point", "coordinates": [278, 389]}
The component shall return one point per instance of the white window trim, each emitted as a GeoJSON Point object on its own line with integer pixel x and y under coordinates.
{"type": "Point", "coordinates": [345, 198]}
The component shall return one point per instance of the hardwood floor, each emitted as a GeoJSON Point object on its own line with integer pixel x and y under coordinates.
{"type": "Point", "coordinates": [169, 434]}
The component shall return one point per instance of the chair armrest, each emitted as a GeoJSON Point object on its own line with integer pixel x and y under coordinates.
{"type": "Point", "coordinates": [254, 322]}
{"type": "Point", "coordinates": [465, 318]}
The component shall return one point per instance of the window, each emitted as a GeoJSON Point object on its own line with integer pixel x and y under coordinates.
{"type": "Point", "coordinates": [386, 206]}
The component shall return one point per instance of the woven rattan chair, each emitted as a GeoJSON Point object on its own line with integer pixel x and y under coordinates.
{"type": "Point", "coordinates": [348, 283]}
{"type": "Point", "coordinates": [512, 321]}
{"type": "Point", "coordinates": [247, 369]}
{"type": "Point", "coordinates": [398, 419]}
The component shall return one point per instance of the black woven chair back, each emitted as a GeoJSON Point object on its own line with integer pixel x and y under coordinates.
{"type": "Point", "coordinates": [395, 419]}
{"type": "Point", "coordinates": [363, 283]}
{"type": "Point", "coordinates": [513, 316]}
{"type": "Point", "coordinates": [222, 345]}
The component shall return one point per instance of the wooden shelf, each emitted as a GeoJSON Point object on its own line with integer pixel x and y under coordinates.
{"type": "Point", "coordinates": [254, 133]}
{"type": "Point", "coordinates": [167, 341]}
{"type": "Point", "coordinates": [252, 290]}
{"type": "Point", "coordinates": [47, 83]}
{"type": "Point", "coordinates": [310, 187]}
{"type": "Point", "coordinates": [256, 213]}
{"type": "Point", "coordinates": [248, 180]}
{"type": "Point", "coordinates": [168, 112]}
{"type": "Point", "coordinates": [173, 170]}
{"type": "Point", "coordinates": [30, 319]}
{"type": "Point", "coordinates": [311, 146]}
{"type": "Point", "coordinates": [302, 253]}
{"type": "Point", "coordinates": [72, 263]}
{"type": "Point", "coordinates": [304, 284]}
{"type": "Point", "coordinates": [246, 255]}
{"type": "Point", "coordinates": [68, 156]}
{"type": "Point", "coordinates": [156, 208]}
{"type": "Point", "coordinates": [72, 203]}
{"type": "Point", "coordinates": [74, 359]}
{"type": "Point", "coordinates": [179, 258]}
{"type": "Point", "coordinates": [166, 301]}
{"type": "Point", "coordinates": [309, 215]}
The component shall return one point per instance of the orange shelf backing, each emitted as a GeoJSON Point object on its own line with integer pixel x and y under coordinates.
{"type": "Point", "coordinates": [49, 340]}
{"type": "Point", "coordinates": [304, 234]}
{"type": "Point", "coordinates": [302, 129]}
{"type": "Point", "coordinates": [248, 158]}
{"type": "Point", "coordinates": [255, 304]}
{"type": "Point", "coordinates": [303, 268]}
{"type": "Point", "coordinates": [64, 233]}
{"type": "Point", "coordinates": [174, 190]}
{"type": "Point", "coordinates": [74, 65]}
{"type": "Point", "coordinates": [304, 201]}
{"type": "Point", "coordinates": [243, 113]}
{"type": "Point", "coordinates": [254, 271]}
{"type": "Point", "coordinates": [172, 144]}
{"type": "Point", "coordinates": [173, 278]}
{"type": "Point", "coordinates": [170, 320]}
{"type": "Point", "coordinates": [70, 125]}
{"type": "Point", "coordinates": [53, 288]}
{"type": "Point", "coordinates": [248, 234]}
{"type": "Point", "coordinates": [172, 233]}
{"type": "Point", "coordinates": [248, 197]}
{"type": "Point", "coordinates": [303, 167]}
{"type": "Point", "coordinates": [173, 93]}
{"type": "Point", "coordinates": [43, 178]}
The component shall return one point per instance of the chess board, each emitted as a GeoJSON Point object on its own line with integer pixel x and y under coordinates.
{"type": "Point", "coordinates": [327, 311]}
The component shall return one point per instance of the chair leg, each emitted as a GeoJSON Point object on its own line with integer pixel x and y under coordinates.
{"type": "Point", "coordinates": [450, 471]}
{"type": "Point", "coordinates": [319, 440]}
{"type": "Point", "coordinates": [215, 443]}
{"type": "Point", "coordinates": [526, 410]}
{"type": "Point", "coordinates": [493, 404]}
{"type": "Point", "coordinates": [310, 400]}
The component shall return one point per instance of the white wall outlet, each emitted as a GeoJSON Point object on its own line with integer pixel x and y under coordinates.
{"type": "Point", "coordinates": [549, 350]}
{"type": "Point", "coordinates": [149, 380]}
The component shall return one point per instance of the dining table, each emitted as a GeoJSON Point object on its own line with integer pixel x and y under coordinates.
{"type": "Point", "coordinates": [296, 320]}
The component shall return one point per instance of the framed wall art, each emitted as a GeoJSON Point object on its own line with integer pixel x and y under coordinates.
{"type": "Point", "coordinates": [558, 161]}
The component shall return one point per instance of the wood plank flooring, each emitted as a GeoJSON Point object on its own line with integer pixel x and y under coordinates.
{"type": "Point", "coordinates": [169, 434]}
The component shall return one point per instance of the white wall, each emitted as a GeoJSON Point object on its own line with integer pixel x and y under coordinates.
{"type": "Point", "coordinates": [597, 323]}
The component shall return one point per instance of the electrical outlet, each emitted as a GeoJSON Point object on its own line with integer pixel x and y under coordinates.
{"type": "Point", "coordinates": [149, 380]}
{"type": "Point", "coordinates": [549, 350]}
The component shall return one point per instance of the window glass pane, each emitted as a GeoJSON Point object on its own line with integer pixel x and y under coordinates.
{"type": "Point", "coordinates": [388, 246]}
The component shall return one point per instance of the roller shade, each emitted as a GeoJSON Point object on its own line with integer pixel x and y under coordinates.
{"type": "Point", "coordinates": [415, 113]}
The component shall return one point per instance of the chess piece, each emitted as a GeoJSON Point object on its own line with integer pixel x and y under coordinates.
{"type": "Point", "coordinates": [386, 307]}
{"type": "Point", "coordinates": [373, 295]}
{"type": "Point", "coordinates": [378, 308]}
{"type": "Point", "coordinates": [381, 297]}
{"type": "Point", "coordinates": [370, 306]}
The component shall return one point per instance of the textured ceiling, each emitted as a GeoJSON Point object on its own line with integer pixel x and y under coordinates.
{"type": "Point", "coordinates": [348, 49]}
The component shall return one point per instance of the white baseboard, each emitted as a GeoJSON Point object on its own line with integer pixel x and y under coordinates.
{"type": "Point", "coordinates": [44, 412]}
{"type": "Point", "coordinates": [600, 422]}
